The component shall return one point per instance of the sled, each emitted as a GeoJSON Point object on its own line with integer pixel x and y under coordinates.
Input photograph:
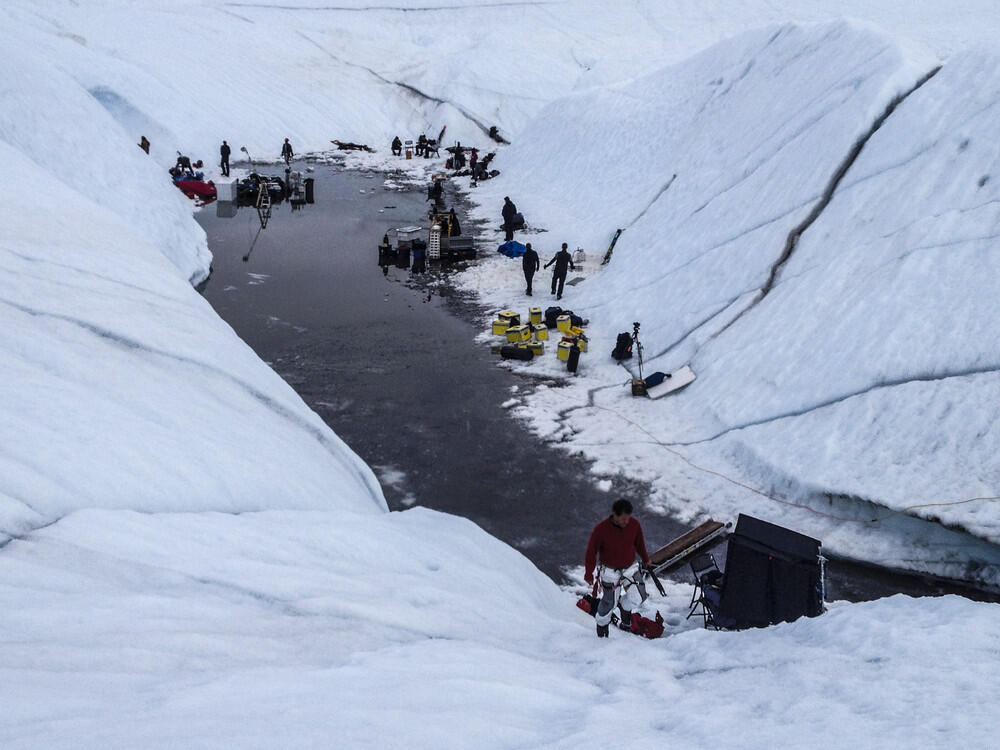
{"type": "Point", "coordinates": [193, 187]}
{"type": "Point", "coordinates": [671, 382]}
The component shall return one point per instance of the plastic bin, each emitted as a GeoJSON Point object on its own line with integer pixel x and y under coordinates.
{"type": "Point", "coordinates": [515, 333]}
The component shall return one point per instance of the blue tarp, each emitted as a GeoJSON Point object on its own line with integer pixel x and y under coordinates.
{"type": "Point", "coordinates": [512, 249]}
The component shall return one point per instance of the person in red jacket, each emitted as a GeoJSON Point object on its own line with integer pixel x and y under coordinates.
{"type": "Point", "coordinates": [614, 543]}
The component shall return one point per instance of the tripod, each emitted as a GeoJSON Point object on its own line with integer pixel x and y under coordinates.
{"type": "Point", "coordinates": [638, 384]}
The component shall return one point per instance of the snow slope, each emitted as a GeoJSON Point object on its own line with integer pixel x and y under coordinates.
{"type": "Point", "coordinates": [865, 372]}
{"type": "Point", "coordinates": [418, 630]}
{"type": "Point", "coordinates": [123, 388]}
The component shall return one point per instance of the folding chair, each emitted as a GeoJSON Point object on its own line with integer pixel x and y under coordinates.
{"type": "Point", "coordinates": [707, 589]}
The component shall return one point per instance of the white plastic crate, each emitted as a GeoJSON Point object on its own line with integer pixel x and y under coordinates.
{"type": "Point", "coordinates": [434, 245]}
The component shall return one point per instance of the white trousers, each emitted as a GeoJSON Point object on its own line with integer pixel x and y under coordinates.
{"type": "Point", "coordinates": [613, 584]}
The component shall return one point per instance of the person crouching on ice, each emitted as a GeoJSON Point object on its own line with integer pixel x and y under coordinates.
{"type": "Point", "coordinates": [614, 542]}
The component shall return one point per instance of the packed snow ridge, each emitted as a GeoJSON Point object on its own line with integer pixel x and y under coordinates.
{"type": "Point", "coordinates": [189, 552]}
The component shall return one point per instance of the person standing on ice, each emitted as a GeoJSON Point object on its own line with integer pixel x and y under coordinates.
{"type": "Point", "coordinates": [286, 152]}
{"type": "Point", "coordinates": [508, 212]}
{"type": "Point", "coordinates": [224, 155]}
{"type": "Point", "coordinates": [530, 263]}
{"type": "Point", "coordinates": [563, 260]}
{"type": "Point", "coordinates": [614, 543]}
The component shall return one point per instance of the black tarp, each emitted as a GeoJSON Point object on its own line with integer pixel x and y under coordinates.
{"type": "Point", "coordinates": [772, 575]}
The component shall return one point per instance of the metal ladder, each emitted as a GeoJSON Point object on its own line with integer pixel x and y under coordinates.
{"type": "Point", "coordinates": [263, 204]}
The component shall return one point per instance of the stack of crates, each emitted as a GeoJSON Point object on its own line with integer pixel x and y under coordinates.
{"type": "Point", "coordinates": [508, 323]}
{"type": "Point", "coordinates": [434, 244]}
{"type": "Point", "coordinates": [534, 333]}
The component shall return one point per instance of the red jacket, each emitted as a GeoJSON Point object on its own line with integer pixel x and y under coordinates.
{"type": "Point", "coordinates": [615, 547]}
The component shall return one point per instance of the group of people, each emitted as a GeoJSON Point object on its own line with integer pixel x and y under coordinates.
{"type": "Point", "coordinates": [224, 151]}
{"type": "Point", "coordinates": [615, 542]}
{"type": "Point", "coordinates": [530, 262]}
{"type": "Point", "coordinates": [184, 168]}
{"type": "Point", "coordinates": [183, 164]}
{"type": "Point", "coordinates": [424, 147]}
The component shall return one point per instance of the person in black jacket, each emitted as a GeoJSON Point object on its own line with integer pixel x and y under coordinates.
{"type": "Point", "coordinates": [224, 154]}
{"type": "Point", "coordinates": [397, 146]}
{"type": "Point", "coordinates": [562, 260]}
{"type": "Point", "coordinates": [530, 264]}
{"type": "Point", "coordinates": [286, 151]}
{"type": "Point", "coordinates": [508, 212]}
{"type": "Point", "coordinates": [184, 164]}
{"type": "Point", "coordinates": [434, 192]}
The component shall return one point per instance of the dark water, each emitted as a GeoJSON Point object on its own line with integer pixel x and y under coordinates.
{"type": "Point", "coordinates": [390, 364]}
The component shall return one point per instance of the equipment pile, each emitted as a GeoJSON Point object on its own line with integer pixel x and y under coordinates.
{"type": "Point", "coordinates": [526, 341]}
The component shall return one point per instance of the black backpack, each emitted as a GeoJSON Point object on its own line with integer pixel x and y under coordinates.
{"type": "Point", "coordinates": [623, 347]}
{"type": "Point", "coordinates": [551, 313]}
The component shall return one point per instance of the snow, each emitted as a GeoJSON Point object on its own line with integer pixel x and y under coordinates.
{"type": "Point", "coordinates": [191, 557]}
{"type": "Point", "coordinates": [416, 629]}
{"type": "Point", "coordinates": [124, 389]}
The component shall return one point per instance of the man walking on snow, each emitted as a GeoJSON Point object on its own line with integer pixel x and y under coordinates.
{"type": "Point", "coordinates": [614, 542]}
{"type": "Point", "coordinates": [530, 264]}
{"type": "Point", "coordinates": [286, 152]}
{"type": "Point", "coordinates": [508, 212]}
{"type": "Point", "coordinates": [562, 259]}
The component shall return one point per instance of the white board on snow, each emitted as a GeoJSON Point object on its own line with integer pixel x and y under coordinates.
{"type": "Point", "coordinates": [673, 382]}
